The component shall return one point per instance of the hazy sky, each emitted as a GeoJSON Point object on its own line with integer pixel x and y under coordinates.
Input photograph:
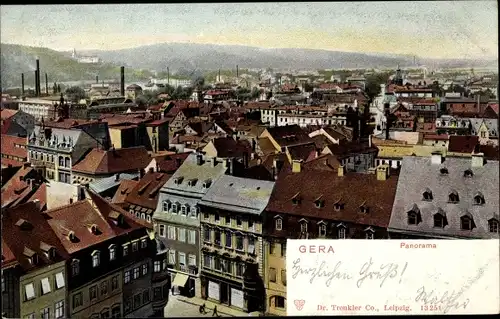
{"type": "Point", "coordinates": [445, 29]}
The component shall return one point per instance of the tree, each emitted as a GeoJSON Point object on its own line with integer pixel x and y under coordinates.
{"type": "Point", "coordinates": [198, 82]}
{"type": "Point", "coordinates": [255, 93]}
{"type": "Point", "coordinates": [141, 100]}
{"type": "Point", "coordinates": [308, 87]}
{"type": "Point", "coordinates": [75, 93]}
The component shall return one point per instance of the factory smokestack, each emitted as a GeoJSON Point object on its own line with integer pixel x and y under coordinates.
{"type": "Point", "coordinates": [219, 77]}
{"type": "Point", "coordinates": [36, 83]}
{"type": "Point", "coordinates": [46, 84]}
{"type": "Point", "coordinates": [168, 75]}
{"type": "Point", "coordinates": [97, 79]}
{"type": "Point", "coordinates": [22, 84]}
{"type": "Point", "coordinates": [122, 81]}
{"type": "Point", "coordinates": [387, 111]}
{"type": "Point", "coordinates": [38, 88]}
{"type": "Point", "coordinates": [237, 71]}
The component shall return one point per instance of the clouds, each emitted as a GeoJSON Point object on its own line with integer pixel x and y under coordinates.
{"type": "Point", "coordinates": [432, 29]}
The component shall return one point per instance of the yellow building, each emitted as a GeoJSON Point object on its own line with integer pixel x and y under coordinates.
{"type": "Point", "coordinates": [275, 276]}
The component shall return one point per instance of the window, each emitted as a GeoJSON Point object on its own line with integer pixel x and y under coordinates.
{"type": "Point", "coordinates": [303, 226]}
{"type": "Point", "coordinates": [31, 316]}
{"type": "Point", "coordinates": [95, 259]}
{"type": "Point", "coordinates": [157, 293]}
{"type": "Point", "coordinates": [45, 313]}
{"type": "Point", "coordinates": [271, 248]}
{"type": "Point", "coordinates": [283, 277]}
{"type": "Point", "coordinates": [239, 242]}
{"type": "Point", "coordinates": [229, 239]}
{"type": "Point", "coordinates": [175, 208]}
{"type": "Point", "coordinates": [217, 218]}
{"type": "Point", "coordinates": [114, 283]}
{"type": "Point", "coordinates": [206, 216]}
{"type": "Point", "coordinates": [145, 269]}
{"type": "Point", "coordinates": [61, 161]}
{"type": "Point", "coordinates": [137, 301]}
{"type": "Point", "coordinates": [112, 252]}
{"type": "Point", "coordinates": [144, 243]}
{"type": "Point", "coordinates": [217, 237]}
{"type": "Point", "coordinates": [283, 249]}
{"type": "Point", "coordinates": [29, 291]}
{"type": "Point", "coordinates": [162, 231]}
{"type": "Point", "coordinates": [75, 267]}
{"type": "Point", "coordinates": [272, 274]}
{"type": "Point", "coordinates": [483, 134]}
{"type": "Point", "coordinates": [166, 206]}
{"type": "Point", "coordinates": [466, 223]}
{"type": "Point", "coordinates": [135, 246]}
{"type": "Point", "coordinates": [59, 309]}
{"type": "Point", "coordinates": [239, 223]}
{"type": "Point", "coordinates": [228, 220]}
{"type": "Point", "coordinates": [171, 232]}
{"type": "Point", "coordinates": [279, 224]}
{"type": "Point", "coordinates": [136, 273]}
{"type": "Point", "coordinates": [192, 260]}
{"type": "Point", "coordinates": [145, 296]}
{"type": "Point", "coordinates": [412, 218]}
{"type": "Point", "coordinates": [157, 266]}
{"type": "Point", "coordinates": [67, 162]}
{"type": "Point", "coordinates": [171, 257]}
{"type": "Point", "coordinates": [164, 266]}
{"type": "Point", "coordinates": [479, 199]}
{"type": "Point", "coordinates": [217, 263]}
{"type": "Point", "coordinates": [443, 171]}
{"type": "Point", "coordinates": [370, 234]}
{"type": "Point", "coordinates": [251, 245]}
{"type": "Point", "coordinates": [127, 305]}
{"type": "Point", "coordinates": [453, 197]}
{"type": "Point", "coordinates": [250, 223]}
{"type": "Point", "coordinates": [125, 250]}
{"type": "Point", "coordinates": [77, 300]}
{"type": "Point", "coordinates": [126, 277]}
{"type": "Point", "coordinates": [322, 230]}
{"type": "Point", "coordinates": [279, 302]}
{"type": "Point", "coordinates": [207, 261]}
{"type": "Point", "coordinates": [438, 220]}
{"type": "Point", "coordinates": [93, 292]}
{"type": "Point", "coordinates": [182, 259]}
{"type": "Point", "coordinates": [3, 283]}
{"type": "Point", "coordinates": [116, 312]}
{"type": "Point", "coordinates": [193, 211]}
{"type": "Point", "coordinates": [207, 234]}
{"type": "Point", "coordinates": [427, 195]}
{"type": "Point", "coordinates": [341, 232]}
{"type": "Point", "coordinates": [191, 237]}
{"type": "Point", "coordinates": [104, 288]}
{"type": "Point", "coordinates": [240, 269]}
{"type": "Point", "coordinates": [183, 210]}
{"type": "Point", "coordinates": [182, 235]}
{"type": "Point", "coordinates": [468, 173]}
{"type": "Point", "coordinates": [45, 286]}
{"type": "Point", "coordinates": [493, 225]}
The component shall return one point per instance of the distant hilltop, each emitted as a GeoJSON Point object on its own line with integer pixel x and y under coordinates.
{"type": "Point", "coordinates": [85, 59]}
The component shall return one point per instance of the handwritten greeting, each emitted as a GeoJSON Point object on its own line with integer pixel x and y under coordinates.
{"type": "Point", "coordinates": [370, 277]}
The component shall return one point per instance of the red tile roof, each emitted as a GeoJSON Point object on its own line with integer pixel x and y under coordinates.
{"type": "Point", "coordinates": [436, 137]}
{"type": "Point", "coordinates": [67, 123]}
{"type": "Point", "coordinates": [7, 113]}
{"type": "Point", "coordinates": [80, 216]}
{"type": "Point", "coordinates": [123, 190]}
{"type": "Point", "coordinates": [41, 195]}
{"type": "Point", "coordinates": [170, 163]}
{"type": "Point", "coordinates": [146, 191]}
{"type": "Point", "coordinates": [229, 147]}
{"type": "Point", "coordinates": [289, 135]}
{"type": "Point", "coordinates": [25, 228]}
{"type": "Point", "coordinates": [10, 146]}
{"type": "Point", "coordinates": [351, 190]}
{"type": "Point", "coordinates": [99, 161]}
{"type": "Point", "coordinates": [17, 189]}
{"type": "Point", "coordinates": [462, 143]}
{"type": "Point", "coordinates": [8, 258]}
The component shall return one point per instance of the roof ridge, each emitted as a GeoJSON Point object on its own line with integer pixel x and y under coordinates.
{"type": "Point", "coordinates": [79, 202]}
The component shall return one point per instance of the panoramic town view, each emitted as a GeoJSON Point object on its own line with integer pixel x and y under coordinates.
{"type": "Point", "coordinates": [155, 158]}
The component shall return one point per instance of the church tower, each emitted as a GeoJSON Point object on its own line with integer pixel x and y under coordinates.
{"type": "Point", "coordinates": [398, 78]}
{"type": "Point", "coordinates": [73, 55]}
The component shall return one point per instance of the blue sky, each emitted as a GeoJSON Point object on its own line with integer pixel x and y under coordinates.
{"type": "Point", "coordinates": [458, 29]}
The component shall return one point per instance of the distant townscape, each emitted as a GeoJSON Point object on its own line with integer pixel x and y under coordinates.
{"type": "Point", "coordinates": [169, 194]}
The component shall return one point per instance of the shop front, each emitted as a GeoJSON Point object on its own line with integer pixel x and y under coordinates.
{"type": "Point", "coordinates": [183, 284]}
{"type": "Point", "coordinates": [223, 291]}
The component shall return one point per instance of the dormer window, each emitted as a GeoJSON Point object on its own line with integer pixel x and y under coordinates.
{"type": "Point", "coordinates": [322, 229]}
{"type": "Point", "coordinates": [207, 183]}
{"type": "Point", "coordinates": [363, 208]}
{"type": "Point", "coordinates": [338, 205]}
{"type": "Point", "coordinates": [493, 225]}
{"type": "Point", "coordinates": [453, 197]}
{"type": "Point", "coordinates": [175, 208]}
{"type": "Point", "coordinates": [466, 222]}
{"type": "Point", "coordinates": [468, 173]}
{"type": "Point", "coordinates": [427, 195]}
{"type": "Point", "coordinates": [443, 171]}
{"type": "Point", "coordinates": [414, 216]}
{"type": "Point", "coordinates": [440, 219]}
{"type": "Point", "coordinates": [319, 202]}
{"type": "Point", "coordinates": [183, 210]}
{"type": "Point", "coordinates": [303, 226]}
{"type": "Point", "coordinates": [479, 199]}
{"type": "Point", "coordinates": [167, 205]}
{"type": "Point", "coordinates": [96, 258]}
{"type": "Point", "coordinates": [192, 182]}
{"type": "Point", "coordinates": [278, 223]}
{"type": "Point", "coordinates": [178, 180]}
{"type": "Point", "coordinates": [71, 236]}
{"type": "Point", "coordinates": [369, 233]}
{"type": "Point", "coordinates": [112, 252]}
{"type": "Point", "coordinates": [75, 267]}
{"type": "Point", "coordinates": [341, 231]}
{"type": "Point", "coordinates": [296, 199]}
{"type": "Point", "coordinates": [31, 255]}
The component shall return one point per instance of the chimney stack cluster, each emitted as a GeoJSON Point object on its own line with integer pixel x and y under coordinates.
{"type": "Point", "coordinates": [122, 81]}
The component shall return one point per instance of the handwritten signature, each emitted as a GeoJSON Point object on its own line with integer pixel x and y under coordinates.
{"type": "Point", "coordinates": [367, 272]}
{"type": "Point", "coordinates": [449, 300]}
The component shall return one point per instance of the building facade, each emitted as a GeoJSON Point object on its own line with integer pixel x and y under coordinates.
{"type": "Point", "coordinates": [232, 249]}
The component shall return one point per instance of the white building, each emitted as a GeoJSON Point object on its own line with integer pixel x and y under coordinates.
{"type": "Point", "coordinates": [38, 108]}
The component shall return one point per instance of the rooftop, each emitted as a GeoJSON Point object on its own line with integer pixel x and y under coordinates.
{"type": "Point", "coordinates": [100, 161]}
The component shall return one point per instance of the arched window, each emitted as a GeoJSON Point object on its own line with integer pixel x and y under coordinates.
{"type": "Point", "coordinates": [439, 220]}
{"type": "Point", "coordinates": [466, 222]}
{"type": "Point", "coordinates": [303, 226]}
{"type": "Point", "coordinates": [413, 215]}
{"type": "Point", "coordinates": [468, 173]}
{"type": "Point", "coordinates": [61, 161]}
{"type": "Point", "coordinates": [67, 162]}
{"type": "Point", "coordinates": [427, 195]}
{"type": "Point", "coordinates": [493, 225]}
{"type": "Point", "coordinates": [443, 171]}
{"type": "Point", "coordinates": [479, 199]}
{"type": "Point", "coordinates": [453, 197]}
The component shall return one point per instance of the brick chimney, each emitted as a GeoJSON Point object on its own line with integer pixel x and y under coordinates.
{"type": "Point", "coordinates": [296, 166]}
{"type": "Point", "coordinates": [477, 160]}
{"type": "Point", "coordinates": [383, 172]}
{"type": "Point", "coordinates": [436, 158]}
{"type": "Point", "coordinates": [341, 170]}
